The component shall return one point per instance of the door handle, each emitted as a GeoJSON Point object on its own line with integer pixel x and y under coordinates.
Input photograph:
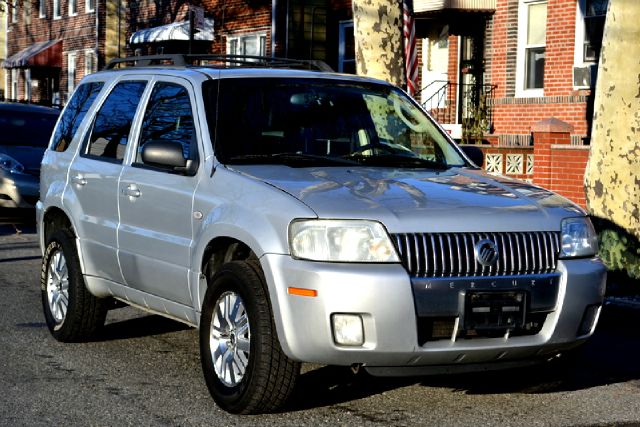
{"type": "Point", "coordinates": [131, 191]}
{"type": "Point", "coordinates": [79, 180]}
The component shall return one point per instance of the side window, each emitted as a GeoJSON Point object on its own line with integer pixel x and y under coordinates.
{"type": "Point", "coordinates": [73, 115]}
{"type": "Point", "coordinates": [169, 118]}
{"type": "Point", "coordinates": [112, 124]}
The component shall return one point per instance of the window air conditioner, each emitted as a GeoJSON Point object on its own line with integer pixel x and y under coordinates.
{"type": "Point", "coordinates": [584, 76]}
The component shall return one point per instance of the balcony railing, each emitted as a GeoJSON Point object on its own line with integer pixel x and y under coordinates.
{"type": "Point", "coordinates": [466, 104]}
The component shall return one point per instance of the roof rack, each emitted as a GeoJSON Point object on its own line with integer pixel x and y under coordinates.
{"type": "Point", "coordinates": [184, 60]}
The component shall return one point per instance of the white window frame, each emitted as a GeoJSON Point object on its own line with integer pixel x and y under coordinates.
{"type": "Point", "coordinates": [14, 84]}
{"type": "Point", "coordinates": [239, 37]}
{"type": "Point", "coordinates": [578, 59]}
{"type": "Point", "coordinates": [343, 25]}
{"type": "Point", "coordinates": [27, 84]}
{"type": "Point", "coordinates": [14, 11]}
{"type": "Point", "coordinates": [26, 11]}
{"type": "Point", "coordinates": [73, 7]}
{"type": "Point", "coordinates": [89, 6]}
{"type": "Point", "coordinates": [57, 9]}
{"type": "Point", "coordinates": [89, 53]}
{"type": "Point", "coordinates": [523, 15]}
{"type": "Point", "coordinates": [71, 72]}
{"type": "Point", "coordinates": [42, 9]}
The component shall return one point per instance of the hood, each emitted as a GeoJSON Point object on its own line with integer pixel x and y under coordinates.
{"type": "Point", "coordinates": [409, 200]}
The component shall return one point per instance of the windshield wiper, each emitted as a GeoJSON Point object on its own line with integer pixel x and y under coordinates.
{"type": "Point", "coordinates": [395, 160]}
{"type": "Point", "coordinates": [288, 159]}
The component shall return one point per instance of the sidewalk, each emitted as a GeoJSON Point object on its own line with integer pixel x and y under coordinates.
{"type": "Point", "coordinates": [624, 302]}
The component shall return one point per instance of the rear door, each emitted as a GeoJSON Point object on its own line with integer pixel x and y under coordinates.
{"type": "Point", "coordinates": [92, 191]}
{"type": "Point", "coordinates": [156, 203]}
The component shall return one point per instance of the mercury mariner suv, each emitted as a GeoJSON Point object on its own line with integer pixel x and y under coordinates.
{"type": "Point", "coordinates": [297, 215]}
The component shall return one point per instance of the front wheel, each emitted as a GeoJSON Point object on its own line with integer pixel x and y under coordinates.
{"type": "Point", "coordinates": [71, 312]}
{"type": "Point", "coordinates": [244, 366]}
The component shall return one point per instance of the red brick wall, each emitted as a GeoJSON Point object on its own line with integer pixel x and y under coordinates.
{"type": "Point", "coordinates": [559, 166]}
{"type": "Point", "coordinates": [568, 164]}
{"type": "Point", "coordinates": [513, 115]}
{"type": "Point", "coordinates": [78, 33]}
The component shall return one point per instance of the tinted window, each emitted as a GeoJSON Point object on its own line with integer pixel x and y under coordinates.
{"type": "Point", "coordinates": [168, 118]}
{"type": "Point", "coordinates": [26, 128]}
{"type": "Point", "coordinates": [113, 122]}
{"type": "Point", "coordinates": [78, 106]}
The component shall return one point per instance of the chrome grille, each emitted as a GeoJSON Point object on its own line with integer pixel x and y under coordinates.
{"type": "Point", "coordinates": [452, 254]}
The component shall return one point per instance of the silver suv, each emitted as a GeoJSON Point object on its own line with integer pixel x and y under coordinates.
{"type": "Point", "coordinates": [301, 216]}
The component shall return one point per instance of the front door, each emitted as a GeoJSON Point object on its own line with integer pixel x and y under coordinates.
{"type": "Point", "coordinates": [156, 214]}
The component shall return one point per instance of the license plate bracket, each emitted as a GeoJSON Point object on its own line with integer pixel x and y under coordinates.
{"type": "Point", "coordinates": [495, 311]}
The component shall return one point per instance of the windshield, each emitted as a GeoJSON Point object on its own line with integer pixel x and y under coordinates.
{"type": "Point", "coordinates": [304, 122]}
{"type": "Point", "coordinates": [26, 128]}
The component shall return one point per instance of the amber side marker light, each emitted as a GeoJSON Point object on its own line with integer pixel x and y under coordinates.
{"type": "Point", "coordinates": [302, 292]}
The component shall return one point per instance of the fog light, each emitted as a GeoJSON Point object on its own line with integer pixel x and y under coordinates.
{"type": "Point", "coordinates": [589, 320]}
{"type": "Point", "coordinates": [347, 329]}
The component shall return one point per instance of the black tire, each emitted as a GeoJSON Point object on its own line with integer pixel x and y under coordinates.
{"type": "Point", "coordinates": [269, 375]}
{"type": "Point", "coordinates": [84, 314]}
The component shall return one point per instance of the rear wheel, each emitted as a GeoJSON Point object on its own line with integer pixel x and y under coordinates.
{"type": "Point", "coordinates": [244, 366]}
{"type": "Point", "coordinates": [71, 312]}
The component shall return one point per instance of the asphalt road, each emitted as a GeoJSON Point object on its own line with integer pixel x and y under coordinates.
{"type": "Point", "coordinates": [145, 370]}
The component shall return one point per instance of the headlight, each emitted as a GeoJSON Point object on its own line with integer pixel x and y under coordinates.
{"type": "Point", "coordinates": [10, 164]}
{"type": "Point", "coordinates": [579, 238]}
{"type": "Point", "coordinates": [341, 241]}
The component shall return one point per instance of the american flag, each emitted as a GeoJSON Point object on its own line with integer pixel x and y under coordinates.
{"type": "Point", "coordinates": [410, 54]}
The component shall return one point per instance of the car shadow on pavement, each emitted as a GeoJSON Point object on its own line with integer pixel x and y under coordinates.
{"type": "Point", "coordinates": [610, 356]}
{"type": "Point", "coordinates": [331, 385]}
{"type": "Point", "coordinates": [144, 326]}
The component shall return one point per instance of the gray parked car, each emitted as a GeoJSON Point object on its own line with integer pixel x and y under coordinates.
{"type": "Point", "coordinates": [24, 135]}
{"type": "Point", "coordinates": [301, 216]}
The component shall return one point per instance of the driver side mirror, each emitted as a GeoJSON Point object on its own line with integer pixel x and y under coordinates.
{"type": "Point", "coordinates": [168, 155]}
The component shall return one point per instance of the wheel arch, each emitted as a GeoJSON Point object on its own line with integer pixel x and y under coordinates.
{"type": "Point", "coordinates": [54, 219]}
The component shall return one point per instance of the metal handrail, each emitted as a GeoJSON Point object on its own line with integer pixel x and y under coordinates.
{"type": "Point", "coordinates": [474, 113]}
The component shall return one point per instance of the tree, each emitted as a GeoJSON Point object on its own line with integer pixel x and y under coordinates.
{"type": "Point", "coordinates": [378, 31]}
{"type": "Point", "coordinates": [612, 179]}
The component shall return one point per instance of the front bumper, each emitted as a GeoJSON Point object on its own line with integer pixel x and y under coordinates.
{"type": "Point", "coordinates": [382, 295]}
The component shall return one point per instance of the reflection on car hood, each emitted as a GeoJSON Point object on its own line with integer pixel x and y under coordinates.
{"type": "Point", "coordinates": [418, 200]}
{"type": "Point", "coordinates": [29, 157]}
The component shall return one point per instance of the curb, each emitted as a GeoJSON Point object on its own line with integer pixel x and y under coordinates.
{"type": "Point", "coordinates": [625, 302]}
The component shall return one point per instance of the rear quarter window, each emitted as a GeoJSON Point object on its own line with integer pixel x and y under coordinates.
{"type": "Point", "coordinates": [78, 106]}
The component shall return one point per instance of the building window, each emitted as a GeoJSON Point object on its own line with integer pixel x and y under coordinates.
{"type": "Point", "coordinates": [14, 84]}
{"type": "Point", "coordinates": [248, 44]}
{"type": "Point", "coordinates": [89, 62]}
{"type": "Point", "coordinates": [90, 6]}
{"type": "Point", "coordinates": [42, 8]}
{"type": "Point", "coordinates": [27, 12]}
{"type": "Point", "coordinates": [27, 84]}
{"type": "Point", "coordinates": [532, 36]}
{"type": "Point", "coordinates": [590, 19]}
{"type": "Point", "coordinates": [14, 11]}
{"type": "Point", "coordinates": [56, 9]}
{"type": "Point", "coordinates": [71, 73]}
{"type": "Point", "coordinates": [346, 48]}
{"type": "Point", "coordinates": [73, 7]}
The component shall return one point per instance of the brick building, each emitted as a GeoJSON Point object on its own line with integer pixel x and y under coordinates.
{"type": "Point", "coordinates": [3, 49]}
{"type": "Point", "coordinates": [494, 70]}
{"type": "Point", "coordinates": [302, 29]}
{"type": "Point", "coordinates": [491, 70]}
{"type": "Point", "coordinates": [52, 44]}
